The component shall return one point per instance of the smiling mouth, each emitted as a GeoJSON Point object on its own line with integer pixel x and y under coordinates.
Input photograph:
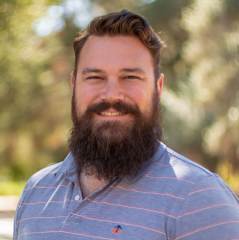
{"type": "Point", "coordinates": [111, 113]}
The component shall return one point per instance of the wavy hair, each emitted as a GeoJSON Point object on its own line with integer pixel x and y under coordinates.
{"type": "Point", "coordinates": [121, 23]}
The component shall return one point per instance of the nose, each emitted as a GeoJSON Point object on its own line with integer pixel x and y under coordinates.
{"type": "Point", "coordinates": [112, 91]}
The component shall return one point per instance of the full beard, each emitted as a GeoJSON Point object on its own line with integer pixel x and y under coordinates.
{"type": "Point", "coordinates": [112, 149]}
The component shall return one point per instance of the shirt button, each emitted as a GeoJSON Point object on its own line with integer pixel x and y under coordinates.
{"type": "Point", "coordinates": [77, 197]}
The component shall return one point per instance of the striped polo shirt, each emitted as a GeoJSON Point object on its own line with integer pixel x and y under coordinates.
{"type": "Point", "coordinates": [172, 198]}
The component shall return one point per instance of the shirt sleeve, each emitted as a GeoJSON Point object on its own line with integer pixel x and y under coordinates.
{"type": "Point", "coordinates": [15, 227]}
{"type": "Point", "coordinates": [17, 213]}
{"type": "Point", "coordinates": [210, 211]}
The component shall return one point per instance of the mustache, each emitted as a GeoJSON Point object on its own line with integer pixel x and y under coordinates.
{"type": "Point", "coordinates": [121, 107]}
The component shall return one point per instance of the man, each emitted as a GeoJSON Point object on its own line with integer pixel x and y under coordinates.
{"type": "Point", "coordinates": [120, 181]}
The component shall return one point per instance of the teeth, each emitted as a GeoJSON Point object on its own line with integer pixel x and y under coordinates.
{"type": "Point", "coordinates": [110, 114]}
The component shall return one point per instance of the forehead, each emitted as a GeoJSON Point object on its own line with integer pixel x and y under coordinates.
{"type": "Point", "coordinates": [115, 52]}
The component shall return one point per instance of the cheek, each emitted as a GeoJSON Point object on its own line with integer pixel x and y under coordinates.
{"type": "Point", "coordinates": [85, 97]}
{"type": "Point", "coordinates": [140, 97]}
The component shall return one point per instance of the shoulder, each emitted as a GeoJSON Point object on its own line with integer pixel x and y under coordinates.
{"type": "Point", "coordinates": [41, 179]}
{"type": "Point", "coordinates": [42, 185]}
{"type": "Point", "coordinates": [51, 174]}
{"type": "Point", "coordinates": [202, 177]}
{"type": "Point", "coordinates": [184, 177]}
{"type": "Point", "coordinates": [49, 177]}
{"type": "Point", "coordinates": [44, 175]}
{"type": "Point", "coordinates": [206, 187]}
{"type": "Point", "coordinates": [208, 208]}
{"type": "Point", "coordinates": [173, 164]}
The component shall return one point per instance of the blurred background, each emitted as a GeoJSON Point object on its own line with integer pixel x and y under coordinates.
{"type": "Point", "coordinates": [201, 90]}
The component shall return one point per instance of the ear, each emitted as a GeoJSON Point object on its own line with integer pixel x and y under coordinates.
{"type": "Point", "coordinates": [72, 81]}
{"type": "Point", "coordinates": [160, 84]}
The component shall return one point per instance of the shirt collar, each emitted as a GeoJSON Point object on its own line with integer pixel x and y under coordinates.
{"type": "Point", "coordinates": [67, 165]}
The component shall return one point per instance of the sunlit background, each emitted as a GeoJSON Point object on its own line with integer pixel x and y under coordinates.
{"type": "Point", "coordinates": [201, 89]}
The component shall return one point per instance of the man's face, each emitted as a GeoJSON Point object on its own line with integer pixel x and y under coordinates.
{"type": "Point", "coordinates": [115, 107]}
{"type": "Point", "coordinates": [115, 69]}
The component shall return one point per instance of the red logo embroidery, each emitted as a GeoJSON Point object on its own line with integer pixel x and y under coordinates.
{"type": "Point", "coordinates": [116, 230]}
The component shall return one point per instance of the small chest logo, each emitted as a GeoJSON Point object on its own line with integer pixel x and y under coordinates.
{"type": "Point", "coordinates": [117, 230]}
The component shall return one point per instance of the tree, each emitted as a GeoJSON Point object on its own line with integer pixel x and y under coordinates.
{"type": "Point", "coordinates": [33, 97]}
{"type": "Point", "coordinates": [200, 98]}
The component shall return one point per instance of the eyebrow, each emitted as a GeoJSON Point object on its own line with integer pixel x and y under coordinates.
{"type": "Point", "coordinates": [92, 70]}
{"type": "Point", "coordinates": [128, 70]}
{"type": "Point", "coordinates": [133, 70]}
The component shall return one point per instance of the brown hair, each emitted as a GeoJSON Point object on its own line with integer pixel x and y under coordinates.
{"type": "Point", "coordinates": [121, 23]}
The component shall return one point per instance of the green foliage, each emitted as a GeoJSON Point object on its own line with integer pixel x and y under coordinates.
{"type": "Point", "coordinates": [34, 92]}
{"type": "Point", "coordinates": [12, 188]}
{"type": "Point", "coordinates": [228, 174]}
{"type": "Point", "coordinates": [201, 90]}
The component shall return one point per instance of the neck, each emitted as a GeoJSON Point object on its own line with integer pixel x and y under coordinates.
{"type": "Point", "coordinates": [89, 184]}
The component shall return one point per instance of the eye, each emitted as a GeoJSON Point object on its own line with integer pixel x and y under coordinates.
{"type": "Point", "coordinates": [93, 77]}
{"type": "Point", "coordinates": [132, 77]}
